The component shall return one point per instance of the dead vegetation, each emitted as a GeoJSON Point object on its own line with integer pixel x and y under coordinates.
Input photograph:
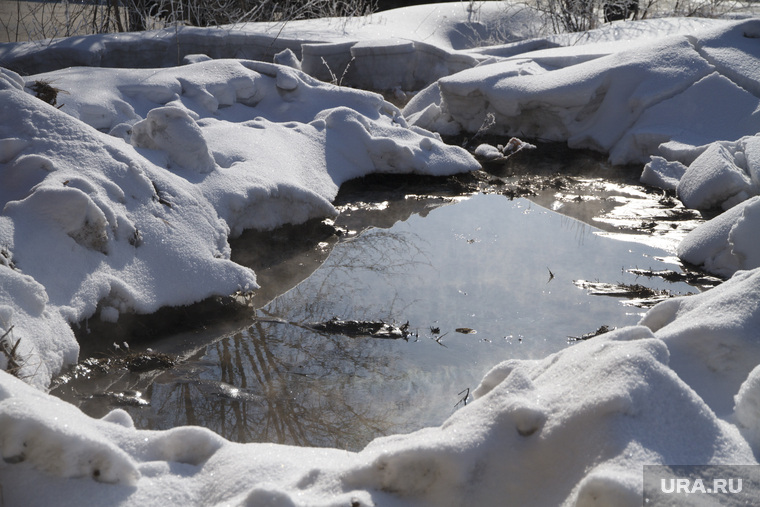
{"type": "Point", "coordinates": [122, 359]}
{"type": "Point", "coordinates": [690, 277]}
{"type": "Point", "coordinates": [357, 328]}
{"type": "Point", "coordinates": [600, 331]}
{"type": "Point", "coordinates": [46, 92]}
{"type": "Point", "coordinates": [638, 295]}
{"type": "Point", "coordinates": [9, 348]}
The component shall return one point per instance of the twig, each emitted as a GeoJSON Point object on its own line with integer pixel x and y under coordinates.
{"type": "Point", "coordinates": [463, 400]}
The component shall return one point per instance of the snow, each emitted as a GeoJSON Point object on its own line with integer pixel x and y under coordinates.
{"type": "Point", "coordinates": [122, 197]}
{"type": "Point", "coordinates": [140, 218]}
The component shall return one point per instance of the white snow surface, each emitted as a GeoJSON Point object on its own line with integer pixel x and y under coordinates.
{"type": "Point", "coordinates": [140, 219]}
{"type": "Point", "coordinates": [124, 198]}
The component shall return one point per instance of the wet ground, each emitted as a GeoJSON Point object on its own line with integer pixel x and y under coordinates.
{"type": "Point", "coordinates": [384, 320]}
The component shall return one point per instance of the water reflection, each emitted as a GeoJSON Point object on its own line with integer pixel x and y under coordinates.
{"type": "Point", "coordinates": [504, 269]}
{"type": "Point", "coordinates": [272, 383]}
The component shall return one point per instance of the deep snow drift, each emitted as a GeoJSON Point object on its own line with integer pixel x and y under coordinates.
{"type": "Point", "coordinates": [123, 200]}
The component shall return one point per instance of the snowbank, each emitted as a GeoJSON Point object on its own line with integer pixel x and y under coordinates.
{"type": "Point", "coordinates": [418, 44]}
{"type": "Point", "coordinates": [687, 104]}
{"type": "Point", "coordinates": [133, 186]}
{"type": "Point", "coordinates": [140, 219]}
{"type": "Point", "coordinates": [630, 101]}
{"type": "Point", "coordinates": [573, 428]}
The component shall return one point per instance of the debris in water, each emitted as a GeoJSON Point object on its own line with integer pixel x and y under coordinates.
{"type": "Point", "coordinates": [355, 328]}
{"type": "Point", "coordinates": [602, 330]}
{"type": "Point", "coordinates": [124, 398]}
{"type": "Point", "coordinates": [639, 295]}
{"type": "Point", "coordinates": [674, 276]}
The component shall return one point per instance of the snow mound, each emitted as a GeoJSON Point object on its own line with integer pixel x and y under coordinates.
{"type": "Point", "coordinates": [583, 420]}
{"type": "Point", "coordinates": [628, 102]}
{"type": "Point", "coordinates": [727, 243]}
{"type": "Point", "coordinates": [708, 336]}
{"type": "Point", "coordinates": [712, 179]}
{"type": "Point", "coordinates": [57, 441]}
{"type": "Point", "coordinates": [242, 118]}
{"type": "Point", "coordinates": [723, 174]}
{"type": "Point", "coordinates": [173, 130]}
{"type": "Point", "coordinates": [139, 219]}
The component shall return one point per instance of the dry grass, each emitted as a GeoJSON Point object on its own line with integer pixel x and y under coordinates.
{"type": "Point", "coordinates": [22, 21]}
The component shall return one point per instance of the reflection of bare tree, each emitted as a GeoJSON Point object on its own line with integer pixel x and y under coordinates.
{"type": "Point", "coordinates": [277, 383]}
{"type": "Point", "coordinates": [356, 267]}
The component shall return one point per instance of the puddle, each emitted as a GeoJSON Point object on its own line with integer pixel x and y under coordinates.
{"type": "Point", "coordinates": [470, 281]}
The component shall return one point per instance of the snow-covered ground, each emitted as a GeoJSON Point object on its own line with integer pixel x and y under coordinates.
{"type": "Point", "coordinates": [121, 198]}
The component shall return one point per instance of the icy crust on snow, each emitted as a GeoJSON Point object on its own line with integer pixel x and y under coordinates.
{"type": "Point", "coordinates": [583, 420]}
{"type": "Point", "coordinates": [139, 219]}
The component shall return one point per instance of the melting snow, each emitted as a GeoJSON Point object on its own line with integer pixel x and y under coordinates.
{"type": "Point", "coordinates": [124, 198]}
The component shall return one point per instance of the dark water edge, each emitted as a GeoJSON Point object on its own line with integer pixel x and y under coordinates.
{"type": "Point", "coordinates": [479, 281]}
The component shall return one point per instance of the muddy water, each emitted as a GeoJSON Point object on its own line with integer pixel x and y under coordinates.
{"type": "Point", "coordinates": [478, 280]}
